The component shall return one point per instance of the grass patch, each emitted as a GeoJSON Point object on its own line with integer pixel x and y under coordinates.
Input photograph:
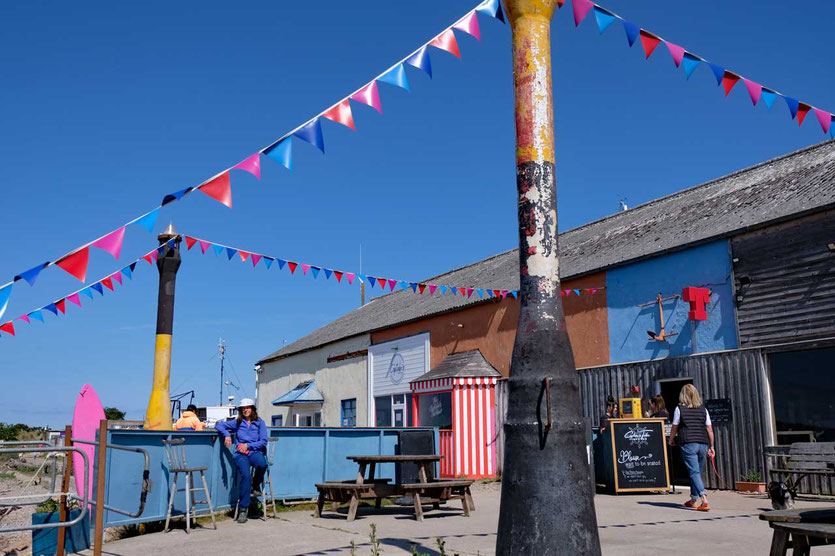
{"type": "Point", "coordinates": [9, 475]}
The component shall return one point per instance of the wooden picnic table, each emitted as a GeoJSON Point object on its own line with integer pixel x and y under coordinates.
{"type": "Point", "coordinates": [800, 529]}
{"type": "Point", "coordinates": [366, 485]}
{"type": "Point", "coordinates": [424, 463]}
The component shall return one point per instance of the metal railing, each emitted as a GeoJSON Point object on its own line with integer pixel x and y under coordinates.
{"type": "Point", "coordinates": [85, 498]}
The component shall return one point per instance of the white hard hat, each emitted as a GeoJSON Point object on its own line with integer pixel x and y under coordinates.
{"type": "Point", "coordinates": [246, 402]}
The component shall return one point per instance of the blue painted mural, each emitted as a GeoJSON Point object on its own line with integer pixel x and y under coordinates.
{"type": "Point", "coordinates": [707, 266]}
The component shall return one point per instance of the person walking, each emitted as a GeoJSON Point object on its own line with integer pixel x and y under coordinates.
{"type": "Point", "coordinates": [189, 421]}
{"type": "Point", "coordinates": [691, 423]}
{"type": "Point", "coordinates": [250, 451]}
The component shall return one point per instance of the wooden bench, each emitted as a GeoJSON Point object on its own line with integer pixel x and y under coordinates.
{"type": "Point", "coordinates": [437, 492]}
{"type": "Point", "coordinates": [800, 529]}
{"type": "Point", "coordinates": [802, 459]}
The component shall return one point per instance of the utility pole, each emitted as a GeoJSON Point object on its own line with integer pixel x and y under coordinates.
{"type": "Point", "coordinates": [158, 416]}
{"type": "Point", "coordinates": [547, 504]}
{"type": "Point", "coordinates": [362, 282]}
{"type": "Point", "coordinates": [222, 357]}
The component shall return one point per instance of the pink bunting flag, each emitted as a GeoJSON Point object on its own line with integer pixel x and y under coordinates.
{"type": "Point", "coordinates": [469, 25]}
{"type": "Point", "coordinates": [432, 288]}
{"type": "Point", "coordinates": [369, 95]}
{"type": "Point", "coordinates": [251, 164]}
{"type": "Point", "coordinates": [392, 284]}
{"type": "Point", "coordinates": [112, 242]}
{"type": "Point", "coordinates": [76, 263]}
{"type": "Point", "coordinates": [676, 52]}
{"type": "Point", "coordinates": [341, 114]}
{"type": "Point", "coordinates": [504, 294]}
{"type": "Point", "coordinates": [351, 277]}
{"type": "Point", "coordinates": [305, 268]}
{"type": "Point", "coordinates": [470, 292]}
{"type": "Point", "coordinates": [755, 90]}
{"type": "Point", "coordinates": [218, 189]}
{"type": "Point", "coordinates": [255, 259]}
{"type": "Point", "coordinates": [446, 41]}
{"type": "Point", "coordinates": [593, 291]}
{"type": "Point", "coordinates": [581, 10]}
{"type": "Point", "coordinates": [154, 255]}
{"type": "Point", "coordinates": [73, 298]}
{"type": "Point", "coordinates": [24, 317]}
{"type": "Point", "coordinates": [204, 246]}
{"type": "Point", "coordinates": [116, 276]}
{"type": "Point", "coordinates": [824, 119]}
{"type": "Point", "coordinates": [243, 255]}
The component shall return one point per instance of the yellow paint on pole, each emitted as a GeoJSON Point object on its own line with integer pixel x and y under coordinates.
{"type": "Point", "coordinates": [158, 416]}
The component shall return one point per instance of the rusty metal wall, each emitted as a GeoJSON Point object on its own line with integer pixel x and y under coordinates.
{"type": "Point", "coordinates": [739, 375]}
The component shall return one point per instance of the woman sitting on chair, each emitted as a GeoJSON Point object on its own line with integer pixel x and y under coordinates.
{"type": "Point", "coordinates": [250, 450]}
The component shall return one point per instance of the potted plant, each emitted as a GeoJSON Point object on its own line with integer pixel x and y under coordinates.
{"type": "Point", "coordinates": [751, 482]}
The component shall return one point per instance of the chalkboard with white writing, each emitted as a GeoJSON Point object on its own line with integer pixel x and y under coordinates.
{"type": "Point", "coordinates": [639, 452]}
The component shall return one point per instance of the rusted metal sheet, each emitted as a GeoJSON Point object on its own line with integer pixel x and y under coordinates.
{"type": "Point", "coordinates": [738, 375]}
{"type": "Point", "coordinates": [785, 281]}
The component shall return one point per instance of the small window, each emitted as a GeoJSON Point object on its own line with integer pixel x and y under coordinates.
{"type": "Point", "coordinates": [349, 413]}
{"type": "Point", "coordinates": [317, 419]}
{"type": "Point", "coordinates": [277, 420]}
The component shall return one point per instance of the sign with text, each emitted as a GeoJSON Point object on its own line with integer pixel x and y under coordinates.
{"type": "Point", "coordinates": [639, 452]}
{"type": "Point", "coordinates": [720, 410]}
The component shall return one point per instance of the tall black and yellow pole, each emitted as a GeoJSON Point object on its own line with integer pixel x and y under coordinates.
{"type": "Point", "coordinates": [158, 416]}
{"type": "Point", "coordinates": [547, 503]}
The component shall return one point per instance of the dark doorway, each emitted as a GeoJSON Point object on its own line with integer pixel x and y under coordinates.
{"type": "Point", "coordinates": [670, 389]}
{"type": "Point", "coordinates": [803, 389]}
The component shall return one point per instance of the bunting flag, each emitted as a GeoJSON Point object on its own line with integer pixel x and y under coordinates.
{"type": "Point", "coordinates": [112, 242]}
{"type": "Point", "coordinates": [59, 306]}
{"type": "Point", "coordinates": [341, 114]}
{"type": "Point", "coordinates": [681, 57]}
{"type": "Point", "coordinates": [219, 187]}
{"type": "Point", "coordinates": [251, 164]}
{"type": "Point", "coordinates": [5, 293]}
{"type": "Point", "coordinates": [391, 284]}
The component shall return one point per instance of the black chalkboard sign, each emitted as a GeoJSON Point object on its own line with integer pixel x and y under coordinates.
{"type": "Point", "coordinates": [720, 410]}
{"type": "Point", "coordinates": [639, 452]}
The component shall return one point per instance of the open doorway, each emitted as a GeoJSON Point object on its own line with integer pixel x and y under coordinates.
{"type": "Point", "coordinates": [669, 390]}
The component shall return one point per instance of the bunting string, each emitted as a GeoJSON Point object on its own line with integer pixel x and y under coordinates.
{"type": "Point", "coordinates": [689, 62]}
{"type": "Point", "coordinates": [219, 188]}
{"type": "Point", "coordinates": [107, 282]}
{"type": "Point", "coordinates": [234, 253]}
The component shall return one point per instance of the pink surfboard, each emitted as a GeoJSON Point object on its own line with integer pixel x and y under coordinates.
{"type": "Point", "coordinates": [86, 420]}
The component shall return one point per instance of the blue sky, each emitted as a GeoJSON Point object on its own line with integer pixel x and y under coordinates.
{"type": "Point", "coordinates": [106, 107]}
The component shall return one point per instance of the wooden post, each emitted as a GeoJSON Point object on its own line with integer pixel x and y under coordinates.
{"type": "Point", "coordinates": [63, 511]}
{"type": "Point", "coordinates": [100, 484]}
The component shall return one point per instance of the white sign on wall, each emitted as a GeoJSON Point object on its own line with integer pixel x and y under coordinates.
{"type": "Point", "coordinates": [392, 365]}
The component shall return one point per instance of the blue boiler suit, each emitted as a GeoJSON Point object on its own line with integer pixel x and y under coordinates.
{"type": "Point", "coordinates": [254, 435]}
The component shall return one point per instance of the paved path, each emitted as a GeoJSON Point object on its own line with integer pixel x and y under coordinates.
{"type": "Point", "coordinates": [637, 524]}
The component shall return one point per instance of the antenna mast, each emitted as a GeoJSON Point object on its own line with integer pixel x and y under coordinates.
{"type": "Point", "coordinates": [222, 347]}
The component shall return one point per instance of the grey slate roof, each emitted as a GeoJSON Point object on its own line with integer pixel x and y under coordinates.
{"type": "Point", "coordinates": [465, 364]}
{"type": "Point", "coordinates": [785, 187]}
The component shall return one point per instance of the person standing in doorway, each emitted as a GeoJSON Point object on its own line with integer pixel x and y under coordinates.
{"type": "Point", "coordinates": [611, 413]}
{"type": "Point", "coordinates": [691, 422]}
{"type": "Point", "coordinates": [250, 451]}
{"type": "Point", "coordinates": [657, 408]}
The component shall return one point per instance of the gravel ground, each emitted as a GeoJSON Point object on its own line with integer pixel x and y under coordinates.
{"type": "Point", "coordinates": [23, 481]}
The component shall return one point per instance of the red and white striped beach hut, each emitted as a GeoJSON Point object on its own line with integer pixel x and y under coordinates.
{"type": "Point", "coordinates": [459, 397]}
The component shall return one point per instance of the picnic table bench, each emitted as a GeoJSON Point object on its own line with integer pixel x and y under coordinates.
{"type": "Point", "coordinates": [425, 491]}
{"type": "Point", "coordinates": [800, 529]}
{"type": "Point", "coordinates": [800, 459]}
